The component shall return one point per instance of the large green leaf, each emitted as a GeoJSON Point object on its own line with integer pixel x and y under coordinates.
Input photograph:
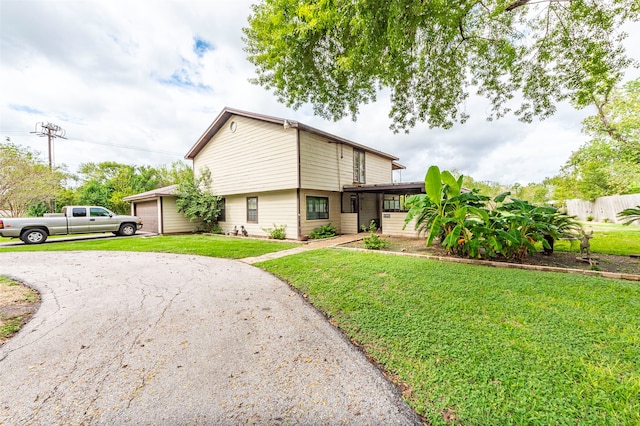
{"type": "Point", "coordinates": [433, 185]}
{"type": "Point", "coordinates": [452, 182]}
{"type": "Point", "coordinates": [451, 240]}
{"type": "Point", "coordinates": [434, 231]}
{"type": "Point", "coordinates": [500, 198]}
{"type": "Point", "coordinates": [482, 214]}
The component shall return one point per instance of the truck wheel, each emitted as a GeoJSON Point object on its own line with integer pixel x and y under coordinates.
{"type": "Point", "coordinates": [127, 229]}
{"type": "Point", "coordinates": [34, 236]}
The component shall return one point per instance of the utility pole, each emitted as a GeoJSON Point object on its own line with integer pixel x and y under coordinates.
{"type": "Point", "coordinates": [51, 131]}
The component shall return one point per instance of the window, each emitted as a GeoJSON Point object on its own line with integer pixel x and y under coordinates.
{"type": "Point", "coordinates": [252, 209]}
{"type": "Point", "coordinates": [223, 210]}
{"type": "Point", "coordinates": [358, 166]}
{"type": "Point", "coordinates": [79, 212]}
{"type": "Point", "coordinates": [99, 212]}
{"type": "Point", "coordinates": [317, 208]}
{"type": "Point", "coordinates": [394, 203]}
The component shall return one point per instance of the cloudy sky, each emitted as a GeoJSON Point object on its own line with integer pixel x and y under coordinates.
{"type": "Point", "coordinates": [138, 82]}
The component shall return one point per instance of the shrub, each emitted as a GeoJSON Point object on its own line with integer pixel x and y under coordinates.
{"type": "Point", "coordinates": [277, 232]}
{"type": "Point", "coordinates": [325, 231]}
{"type": "Point", "coordinates": [589, 218]}
{"type": "Point", "coordinates": [197, 202]}
{"type": "Point", "coordinates": [373, 241]}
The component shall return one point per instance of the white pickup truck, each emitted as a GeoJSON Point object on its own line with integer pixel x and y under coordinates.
{"type": "Point", "coordinates": [72, 220]}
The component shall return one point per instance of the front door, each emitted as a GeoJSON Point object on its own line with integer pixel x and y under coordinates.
{"type": "Point", "coordinates": [369, 209]}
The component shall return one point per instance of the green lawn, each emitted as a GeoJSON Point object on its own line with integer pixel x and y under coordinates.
{"type": "Point", "coordinates": [607, 238]}
{"type": "Point", "coordinates": [205, 245]}
{"type": "Point", "coordinates": [485, 345]}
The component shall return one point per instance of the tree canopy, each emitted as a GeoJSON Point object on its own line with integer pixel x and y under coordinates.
{"type": "Point", "coordinates": [25, 180]}
{"type": "Point", "coordinates": [107, 183]}
{"type": "Point", "coordinates": [338, 55]}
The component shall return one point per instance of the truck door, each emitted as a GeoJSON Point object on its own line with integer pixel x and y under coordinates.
{"type": "Point", "coordinates": [78, 220]}
{"type": "Point", "coordinates": [102, 220]}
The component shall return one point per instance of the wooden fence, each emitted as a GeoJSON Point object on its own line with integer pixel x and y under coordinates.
{"type": "Point", "coordinates": [604, 209]}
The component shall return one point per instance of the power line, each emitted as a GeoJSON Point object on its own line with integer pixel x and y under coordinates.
{"type": "Point", "coordinates": [103, 144]}
{"type": "Point", "coordinates": [128, 147]}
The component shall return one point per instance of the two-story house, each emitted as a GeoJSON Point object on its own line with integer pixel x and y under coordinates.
{"type": "Point", "coordinates": [274, 171]}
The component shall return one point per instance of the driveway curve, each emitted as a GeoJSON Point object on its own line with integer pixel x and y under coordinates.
{"type": "Point", "coordinates": [142, 338]}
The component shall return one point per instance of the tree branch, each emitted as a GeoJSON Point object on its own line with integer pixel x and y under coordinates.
{"type": "Point", "coordinates": [520, 3]}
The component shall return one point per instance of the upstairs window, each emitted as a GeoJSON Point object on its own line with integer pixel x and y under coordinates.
{"type": "Point", "coordinates": [358, 166]}
{"type": "Point", "coordinates": [317, 208]}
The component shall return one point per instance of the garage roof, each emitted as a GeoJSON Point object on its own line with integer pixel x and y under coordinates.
{"type": "Point", "coordinates": [154, 193]}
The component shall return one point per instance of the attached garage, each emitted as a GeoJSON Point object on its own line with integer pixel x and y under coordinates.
{"type": "Point", "coordinates": [159, 212]}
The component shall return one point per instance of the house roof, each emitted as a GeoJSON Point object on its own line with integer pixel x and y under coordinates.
{"type": "Point", "coordinates": [227, 113]}
{"type": "Point", "coordinates": [160, 192]}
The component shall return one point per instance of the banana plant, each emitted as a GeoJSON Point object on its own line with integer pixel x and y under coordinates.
{"type": "Point", "coordinates": [445, 211]}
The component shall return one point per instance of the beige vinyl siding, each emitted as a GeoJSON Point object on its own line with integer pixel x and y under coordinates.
{"type": "Point", "coordinates": [324, 165]}
{"type": "Point", "coordinates": [174, 221]}
{"type": "Point", "coordinates": [274, 207]}
{"type": "Point", "coordinates": [329, 166]}
{"type": "Point", "coordinates": [349, 223]}
{"type": "Point", "coordinates": [392, 223]}
{"type": "Point", "coordinates": [257, 157]}
{"type": "Point", "coordinates": [378, 169]}
{"type": "Point", "coordinates": [306, 226]}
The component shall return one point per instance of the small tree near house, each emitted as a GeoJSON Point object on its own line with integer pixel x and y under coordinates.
{"type": "Point", "coordinates": [196, 202]}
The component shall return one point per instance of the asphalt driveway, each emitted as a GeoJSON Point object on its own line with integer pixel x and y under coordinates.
{"type": "Point", "coordinates": [142, 338]}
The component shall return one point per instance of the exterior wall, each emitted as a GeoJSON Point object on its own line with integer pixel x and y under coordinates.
{"type": "Point", "coordinates": [329, 166]}
{"type": "Point", "coordinates": [377, 169]}
{"type": "Point", "coordinates": [174, 221]}
{"type": "Point", "coordinates": [349, 223]}
{"type": "Point", "coordinates": [257, 157]}
{"type": "Point", "coordinates": [274, 207]}
{"type": "Point", "coordinates": [335, 216]}
{"type": "Point", "coordinates": [324, 165]}
{"type": "Point", "coordinates": [392, 223]}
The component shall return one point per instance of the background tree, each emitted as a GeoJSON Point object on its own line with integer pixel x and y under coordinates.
{"type": "Point", "coordinates": [25, 180]}
{"type": "Point", "coordinates": [609, 163]}
{"type": "Point", "coordinates": [337, 55]}
{"type": "Point", "coordinates": [195, 200]}
{"type": "Point", "coordinates": [107, 183]}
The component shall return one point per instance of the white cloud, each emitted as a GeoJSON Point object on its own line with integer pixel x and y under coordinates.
{"type": "Point", "coordinates": [126, 74]}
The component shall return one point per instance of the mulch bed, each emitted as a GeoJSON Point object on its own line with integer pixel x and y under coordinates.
{"type": "Point", "coordinates": [605, 262]}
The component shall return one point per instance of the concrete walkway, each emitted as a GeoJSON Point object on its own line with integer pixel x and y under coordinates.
{"type": "Point", "coordinates": [314, 245]}
{"type": "Point", "coordinates": [165, 339]}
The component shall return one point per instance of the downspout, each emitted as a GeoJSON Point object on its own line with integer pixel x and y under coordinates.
{"type": "Point", "coordinates": [299, 225]}
{"type": "Point", "coordinates": [161, 217]}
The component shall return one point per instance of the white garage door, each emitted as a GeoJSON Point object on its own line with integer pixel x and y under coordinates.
{"type": "Point", "coordinates": [148, 211]}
